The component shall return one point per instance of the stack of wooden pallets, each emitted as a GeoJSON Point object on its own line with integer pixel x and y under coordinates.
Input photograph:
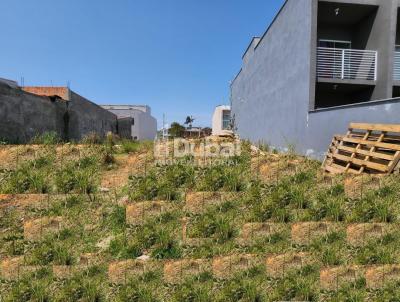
{"type": "Point", "coordinates": [369, 148]}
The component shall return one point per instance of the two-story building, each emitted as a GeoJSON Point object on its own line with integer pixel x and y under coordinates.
{"type": "Point", "coordinates": [320, 65]}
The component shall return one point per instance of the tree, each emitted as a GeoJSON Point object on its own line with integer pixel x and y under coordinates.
{"type": "Point", "coordinates": [189, 121]}
{"type": "Point", "coordinates": [176, 130]}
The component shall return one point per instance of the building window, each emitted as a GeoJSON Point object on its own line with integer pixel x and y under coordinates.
{"type": "Point", "coordinates": [133, 121]}
{"type": "Point", "coordinates": [226, 119]}
{"type": "Point", "coordinates": [334, 44]}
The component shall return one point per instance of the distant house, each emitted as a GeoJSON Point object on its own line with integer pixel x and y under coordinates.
{"type": "Point", "coordinates": [142, 124]}
{"type": "Point", "coordinates": [196, 132]}
{"type": "Point", "coordinates": [221, 121]}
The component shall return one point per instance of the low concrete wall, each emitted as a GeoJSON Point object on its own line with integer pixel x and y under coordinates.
{"type": "Point", "coordinates": [323, 124]}
{"type": "Point", "coordinates": [24, 115]}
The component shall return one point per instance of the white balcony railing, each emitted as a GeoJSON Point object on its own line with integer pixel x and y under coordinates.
{"type": "Point", "coordinates": [396, 69]}
{"type": "Point", "coordinates": [347, 64]}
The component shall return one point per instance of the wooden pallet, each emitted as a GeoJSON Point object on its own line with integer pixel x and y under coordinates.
{"type": "Point", "coordinates": [370, 148]}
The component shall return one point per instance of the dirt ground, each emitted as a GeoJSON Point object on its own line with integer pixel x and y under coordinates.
{"type": "Point", "coordinates": [127, 164]}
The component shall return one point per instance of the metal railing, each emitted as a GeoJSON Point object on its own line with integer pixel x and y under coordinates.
{"type": "Point", "coordinates": [347, 64]}
{"type": "Point", "coordinates": [396, 68]}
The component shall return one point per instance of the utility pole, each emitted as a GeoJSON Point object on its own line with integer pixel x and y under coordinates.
{"type": "Point", "coordinates": [164, 128]}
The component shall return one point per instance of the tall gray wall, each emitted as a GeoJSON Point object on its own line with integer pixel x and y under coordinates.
{"type": "Point", "coordinates": [270, 96]}
{"type": "Point", "coordinates": [378, 32]}
{"type": "Point", "coordinates": [382, 39]}
{"type": "Point", "coordinates": [86, 117]}
{"type": "Point", "coordinates": [24, 115]}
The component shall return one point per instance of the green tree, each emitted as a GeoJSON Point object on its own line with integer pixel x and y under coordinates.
{"type": "Point", "coordinates": [176, 130]}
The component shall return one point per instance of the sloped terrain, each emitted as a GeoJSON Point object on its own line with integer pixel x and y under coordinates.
{"type": "Point", "coordinates": [98, 223]}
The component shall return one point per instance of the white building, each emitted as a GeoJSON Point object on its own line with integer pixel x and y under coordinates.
{"type": "Point", "coordinates": [144, 126]}
{"type": "Point", "coordinates": [221, 121]}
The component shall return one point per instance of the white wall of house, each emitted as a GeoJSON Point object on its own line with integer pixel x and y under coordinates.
{"type": "Point", "coordinates": [220, 120]}
{"type": "Point", "coordinates": [144, 125]}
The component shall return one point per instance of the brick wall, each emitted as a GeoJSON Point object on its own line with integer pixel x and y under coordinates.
{"type": "Point", "coordinates": [62, 92]}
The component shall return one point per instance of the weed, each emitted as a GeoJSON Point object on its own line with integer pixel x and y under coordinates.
{"type": "Point", "coordinates": [92, 139]}
{"type": "Point", "coordinates": [129, 146]}
{"type": "Point", "coordinates": [81, 289]}
{"type": "Point", "coordinates": [92, 219]}
{"type": "Point", "coordinates": [166, 247]}
{"type": "Point", "coordinates": [192, 291]}
{"type": "Point", "coordinates": [115, 220]}
{"type": "Point", "coordinates": [264, 147]}
{"type": "Point", "coordinates": [31, 176]}
{"type": "Point", "coordinates": [373, 253]}
{"type": "Point", "coordinates": [79, 176]}
{"type": "Point", "coordinates": [137, 292]}
{"type": "Point", "coordinates": [47, 138]}
{"type": "Point", "coordinates": [241, 290]}
{"type": "Point", "coordinates": [29, 290]}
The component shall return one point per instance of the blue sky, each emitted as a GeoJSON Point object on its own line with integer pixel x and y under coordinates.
{"type": "Point", "coordinates": [177, 56]}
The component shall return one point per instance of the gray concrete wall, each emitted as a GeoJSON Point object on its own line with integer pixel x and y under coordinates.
{"type": "Point", "coordinates": [9, 82]}
{"type": "Point", "coordinates": [270, 96]}
{"type": "Point", "coordinates": [125, 127]}
{"type": "Point", "coordinates": [145, 126]}
{"type": "Point", "coordinates": [24, 115]}
{"type": "Point", "coordinates": [382, 39]}
{"type": "Point", "coordinates": [86, 117]}
{"type": "Point", "coordinates": [325, 123]}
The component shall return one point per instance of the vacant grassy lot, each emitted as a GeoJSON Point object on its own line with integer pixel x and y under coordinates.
{"type": "Point", "coordinates": [102, 222]}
